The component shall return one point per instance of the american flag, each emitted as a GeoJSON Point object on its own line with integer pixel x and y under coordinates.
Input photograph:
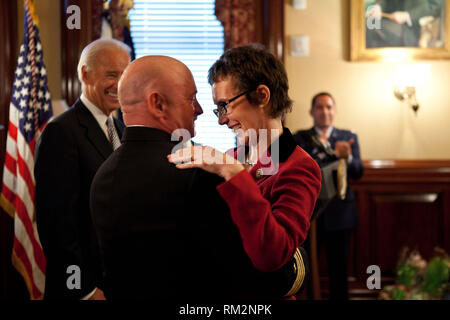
{"type": "Point", "coordinates": [29, 111]}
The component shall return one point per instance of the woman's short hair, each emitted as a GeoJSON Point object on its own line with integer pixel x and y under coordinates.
{"type": "Point", "coordinates": [250, 66]}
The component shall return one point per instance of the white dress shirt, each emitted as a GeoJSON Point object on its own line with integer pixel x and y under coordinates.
{"type": "Point", "coordinates": [98, 115]}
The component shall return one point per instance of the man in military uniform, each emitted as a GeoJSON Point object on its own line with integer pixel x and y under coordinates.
{"type": "Point", "coordinates": [327, 144]}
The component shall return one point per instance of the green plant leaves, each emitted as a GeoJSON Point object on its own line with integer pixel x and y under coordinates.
{"type": "Point", "coordinates": [436, 277]}
{"type": "Point", "coordinates": [406, 274]}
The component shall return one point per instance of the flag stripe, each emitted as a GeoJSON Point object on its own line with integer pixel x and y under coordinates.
{"type": "Point", "coordinates": [10, 180]}
{"type": "Point", "coordinates": [38, 275]}
{"type": "Point", "coordinates": [10, 164]}
{"type": "Point", "coordinates": [11, 148]}
{"type": "Point", "coordinates": [27, 273]}
{"type": "Point", "coordinates": [31, 147]}
{"type": "Point", "coordinates": [20, 162]}
{"type": "Point", "coordinates": [26, 175]}
{"type": "Point", "coordinates": [7, 189]}
{"type": "Point", "coordinates": [32, 254]}
{"type": "Point", "coordinates": [12, 131]}
{"type": "Point", "coordinates": [14, 114]}
{"type": "Point", "coordinates": [23, 215]}
{"type": "Point", "coordinates": [7, 204]}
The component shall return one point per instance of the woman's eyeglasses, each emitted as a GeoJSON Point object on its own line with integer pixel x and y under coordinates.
{"type": "Point", "coordinates": [222, 105]}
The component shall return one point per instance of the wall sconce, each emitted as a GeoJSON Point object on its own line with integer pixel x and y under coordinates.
{"type": "Point", "coordinates": [409, 77]}
{"type": "Point", "coordinates": [408, 94]}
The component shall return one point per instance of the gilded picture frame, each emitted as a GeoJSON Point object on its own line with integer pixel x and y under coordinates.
{"type": "Point", "coordinates": [424, 39]}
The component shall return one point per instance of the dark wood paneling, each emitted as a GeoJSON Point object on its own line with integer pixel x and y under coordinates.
{"type": "Point", "coordinates": [8, 58]}
{"type": "Point", "coordinates": [397, 222]}
{"type": "Point", "coordinates": [404, 171]}
{"type": "Point", "coordinates": [400, 203]}
{"type": "Point", "coordinates": [8, 51]}
{"type": "Point", "coordinates": [269, 29]}
{"type": "Point", "coordinates": [73, 42]}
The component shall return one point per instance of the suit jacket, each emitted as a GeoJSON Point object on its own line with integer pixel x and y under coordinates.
{"type": "Point", "coordinates": [161, 229]}
{"type": "Point", "coordinates": [340, 214]}
{"type": "Point", "coordinates": [71, 149]}
{"type": "Point", "coordinates": [166, 233]}
{"type": "Point", "coordinates": [279, 204]}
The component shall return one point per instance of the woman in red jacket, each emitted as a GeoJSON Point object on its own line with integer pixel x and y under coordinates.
{"type": "Point", "coordinates": [271, 198]}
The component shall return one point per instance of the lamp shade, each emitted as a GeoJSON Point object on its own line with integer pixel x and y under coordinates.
{"type": "Point", "coordinates": [412, 75]}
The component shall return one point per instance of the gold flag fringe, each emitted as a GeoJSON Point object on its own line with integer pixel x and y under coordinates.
{"type": "Point", "coordinates": [32, 11]}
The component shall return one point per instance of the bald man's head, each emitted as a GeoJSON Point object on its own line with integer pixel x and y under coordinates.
{"type": "Point", "coordinates": [159, 91]}
{"type": "Point", "coordinates": [146, 74]}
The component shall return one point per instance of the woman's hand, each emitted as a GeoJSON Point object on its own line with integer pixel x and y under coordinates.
{"type": "Point", "coordinates": [208, 159]}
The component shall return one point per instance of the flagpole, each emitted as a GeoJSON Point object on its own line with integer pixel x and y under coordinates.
{"type": "Point", "coordinates": [29, 7]}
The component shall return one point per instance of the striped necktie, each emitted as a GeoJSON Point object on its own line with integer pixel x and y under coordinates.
{"type": "Point", "coordinates": [113, 137]}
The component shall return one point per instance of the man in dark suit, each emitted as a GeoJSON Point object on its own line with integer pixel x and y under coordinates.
{"type": "Point", "coordinates": [399, 22]}
{"type": "Point", "coordinates": [327, 144]}
{"type": "Point", "coordinates": [165, 233]}
{"type": "Point", "coordinates": [71, 149]}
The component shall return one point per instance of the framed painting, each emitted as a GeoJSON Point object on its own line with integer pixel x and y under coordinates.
{"type": "Point", "coordinates": [399, 30]}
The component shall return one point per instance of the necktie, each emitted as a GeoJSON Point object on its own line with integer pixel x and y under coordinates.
{"type": "Point", "coordinates": [113, 137]}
